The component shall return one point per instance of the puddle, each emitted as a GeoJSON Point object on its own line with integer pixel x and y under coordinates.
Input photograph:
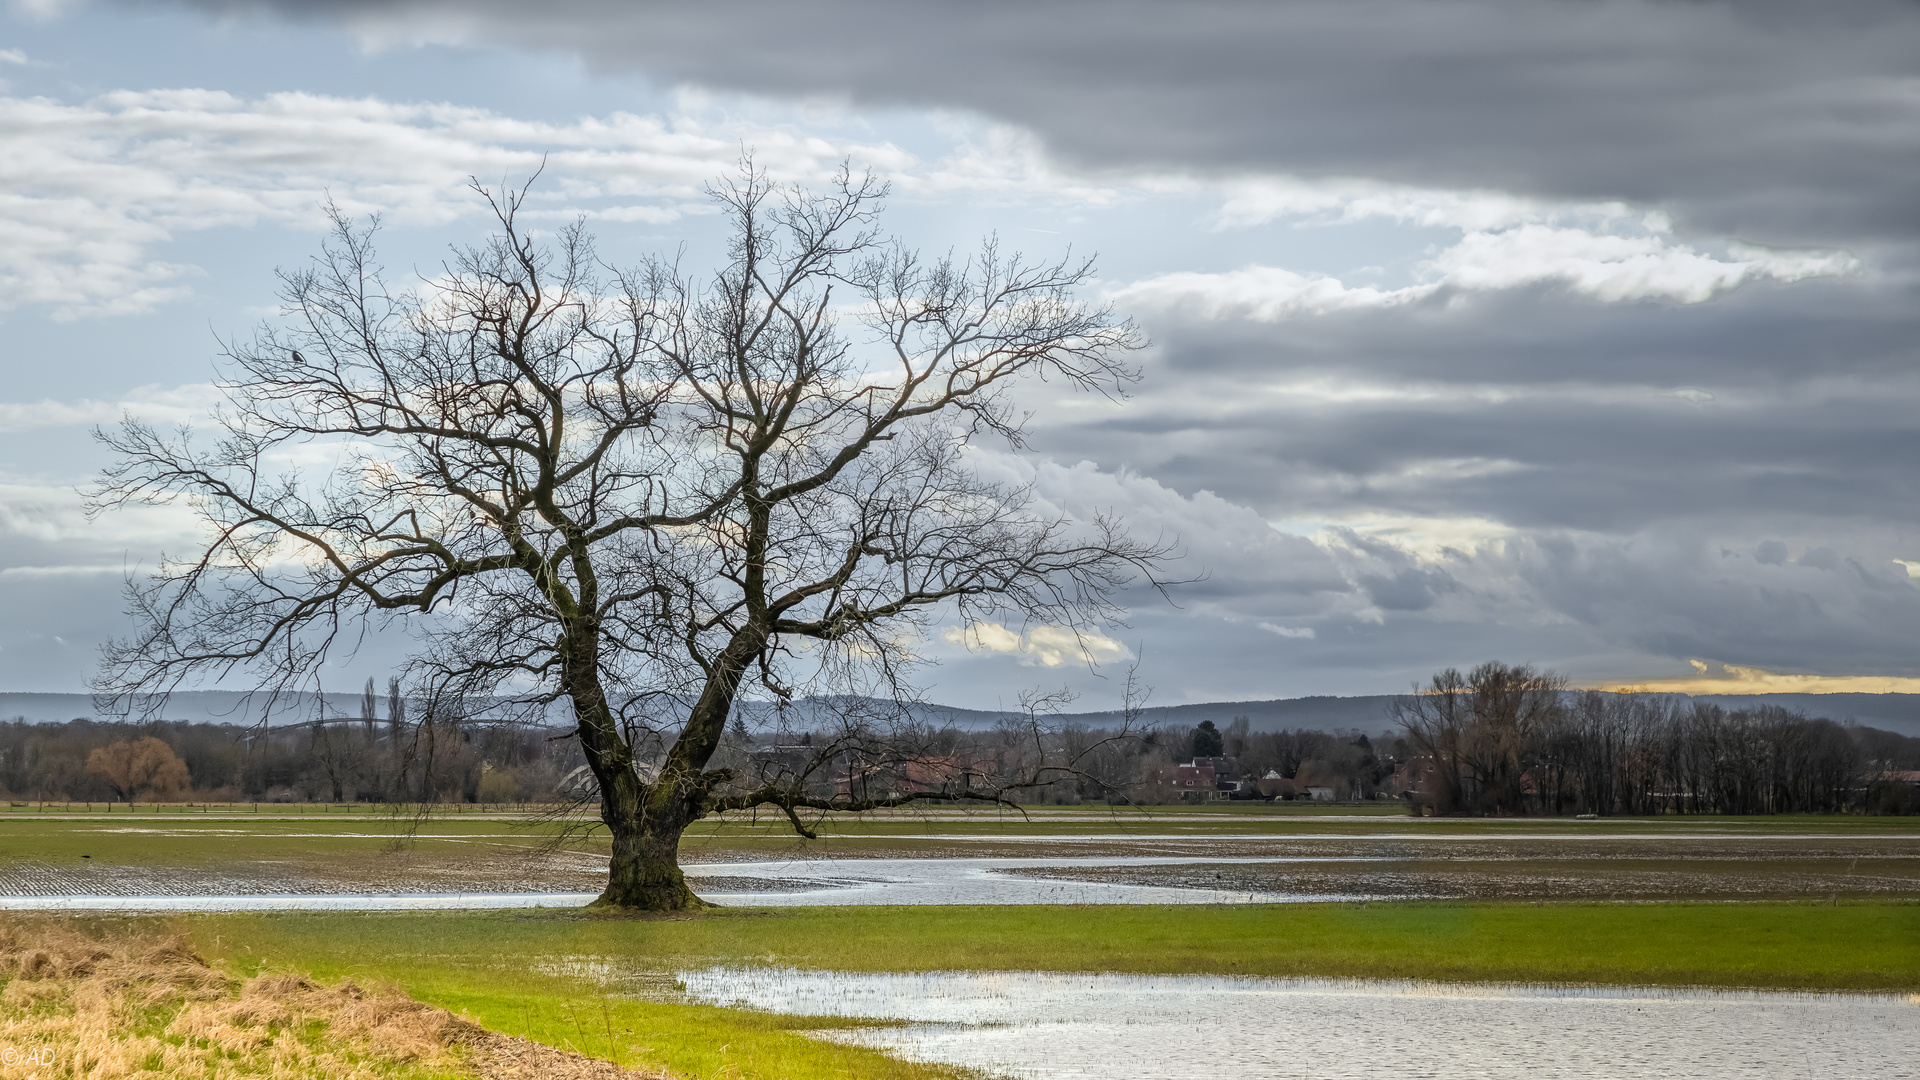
{"type": "Point", "coordinates": [781, 883]}
{"type": "Point", "coordinates": [967, 880]}
{"type": "Point", "coordinates": [1189, 1027]}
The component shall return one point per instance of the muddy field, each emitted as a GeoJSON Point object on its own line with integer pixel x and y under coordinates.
{"type": "Point", "coordinates": [962, 860]}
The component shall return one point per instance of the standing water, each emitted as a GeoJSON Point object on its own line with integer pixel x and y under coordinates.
{"type": "Point", "coordinates": [1194, 1027]}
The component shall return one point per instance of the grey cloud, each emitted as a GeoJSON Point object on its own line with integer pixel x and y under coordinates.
{"type": "Point", "coordinates": [1408, 590]}
{"type": "Point", "coordinates": [1820, 558]}
{"type": "Point", "coordinates": [1537, 411]}
{"type": "Point", "coordinates": [1635, 527]}
{"type": "Point", "coordinates": [1188, 655]}
{"type": "Point", "coordinates": [1756, 526]}
{"type": "Point", "coordinates": [1676, 592]}
{"type": "Point", "coordinates": [1778, 122]}
{"type": "Point", "coordinates": [1758, 336]}
{"type": "Point", "coordinates": [1240, 568]}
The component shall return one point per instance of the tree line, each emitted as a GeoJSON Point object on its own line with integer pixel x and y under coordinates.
{"type": "Point", "coordinates": [1504, 739]}
{"type": "Point", "coordinates": [1496, 740]}
{"type": "Point", "coordinates": [441, 756]}
{"type": "Point", "coordinates": [857, 752]}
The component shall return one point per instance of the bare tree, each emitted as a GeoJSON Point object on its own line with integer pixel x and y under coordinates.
{"type": "Point", "coordinates": [136, 767]}
{"type": "Point", "coordinates": [1483, 731]}
{"type": "Point", "coordinates": [632, 493]}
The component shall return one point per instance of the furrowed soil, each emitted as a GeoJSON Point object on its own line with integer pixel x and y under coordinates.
{"type": "Point", "coordinates": [177, 852]}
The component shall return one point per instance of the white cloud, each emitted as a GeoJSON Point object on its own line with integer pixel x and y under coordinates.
{"type": "Point", "coordinates": [1236, 568]}
{"type": "Point", "coordinates": [180, 404]}
{"type": "Point", "coordinates": [1607, 267]}
{"type": "Point", "coordinates": [1261, 293]}
{"type": "Point", "coordinates": [90, 190]}
{"type": "Point", "coordinates": [1000, 159]}
{"type": "Point", "coordinates": [1047, 646]}
{"type": "Point", "coordinates": [1288, 631]}
{"type": "Point", "coordinates": [12, 56]}
{"type": "Point", "coordinates": [58, 571]}
{"type": "Point", "coordinates": [1607, 251]}
{"type": "Point", "coordinates": [1253, 201]}
{"type": "Point", "coordinates": [1614, 268]}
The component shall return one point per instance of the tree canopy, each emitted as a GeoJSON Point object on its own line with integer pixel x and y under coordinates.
{"type": "Point", "coordinates": [633, 494]}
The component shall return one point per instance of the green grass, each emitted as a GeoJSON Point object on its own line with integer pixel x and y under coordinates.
{"type": "Point", "coordinates": [692, 1040]}
{"type": "Point", "coordinates": [491, 967]}
{"type": "Point", "coordinates": [167, 839]}
{"type": "Point", "coordinates": [1853, 946]}
{"type": "Point", "coordinates": [193, 841]}
{"type": "Point", "coordinates": [508, 970]}
{"type": "Point", "coordinates": [498, 966]}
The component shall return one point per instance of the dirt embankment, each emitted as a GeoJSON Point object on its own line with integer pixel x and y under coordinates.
{"type": "Point", "coordinates": [80, 1004]}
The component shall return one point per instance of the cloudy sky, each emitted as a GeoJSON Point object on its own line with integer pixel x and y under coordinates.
{"type": "Point", "coordinates": [1580, 334]}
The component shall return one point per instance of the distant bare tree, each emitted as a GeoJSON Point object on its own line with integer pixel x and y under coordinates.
{"type": "Point", "coordinates": [332, 752]}
{"type": "Point", "coordinates": [635, 494]}
{"type": "Point", "coordinates": [1481, 731]}
{"type": "Point", "coordinates": [136, 767]}
{"type": "Point", "coordinates": [1509, 739]}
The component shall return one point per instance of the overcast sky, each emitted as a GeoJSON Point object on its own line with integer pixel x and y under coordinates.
{"type": "Point", "coordinates": [1579, 334]}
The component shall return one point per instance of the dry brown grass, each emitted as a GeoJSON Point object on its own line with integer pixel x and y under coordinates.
{"type": "Point", "coordinates": [76, 1004]}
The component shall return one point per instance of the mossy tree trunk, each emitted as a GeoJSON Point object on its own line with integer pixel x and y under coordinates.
{"type": "Point", "coordinates": [646, 819]}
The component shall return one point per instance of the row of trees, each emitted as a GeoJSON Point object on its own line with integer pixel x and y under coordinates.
{"type": "Point", "coordinates": [1503, 739]}
{"type": "Point", "coordinates": [839, 752]}
{"type": "Point", "coordinates": [1497, 740]}
{"type": "Point", "coordinates": [440, 758]}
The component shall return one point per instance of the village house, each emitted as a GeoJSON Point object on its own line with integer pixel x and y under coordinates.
{"type": "Point", "coordinates": [1274, 786]}
{"type": "Point", "coordinates": [1195, 782]}
{"type": "Point", "coordinates": [1208, 778]}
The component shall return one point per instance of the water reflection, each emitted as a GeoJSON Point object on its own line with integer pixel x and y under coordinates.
{"type": "Point", "coordinates": [1168, 870]}
{"type": "Point", "coordinates": [777, 883]}
{"type": "Point", "coordinates": [1175, 1027]}
{"type": "Point", "coordinates": [796, 882]}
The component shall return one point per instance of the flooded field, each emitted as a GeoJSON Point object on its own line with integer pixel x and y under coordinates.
{"type": "Point", "coordinates": [830, 929]}
{"type": "Point", "coordinates": [1096, 1027]}
{"type": "Point", "coordinates": [1192, 859]}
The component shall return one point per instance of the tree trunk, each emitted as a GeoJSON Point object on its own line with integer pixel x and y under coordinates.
{"type": "Point", "coordinates": [645, 820]}
{"type": "Point", "coordinates": [644, 873]}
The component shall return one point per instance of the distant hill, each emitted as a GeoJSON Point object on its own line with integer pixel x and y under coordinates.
{"type": "Point", "coordinates": [1889, 712]}
{"type": "Point", "coordinates": [193, 706]}
{"type": "Point", "coordinates": [1326, 713]}
{"type": "Point", "coordinates": [1892, 712]}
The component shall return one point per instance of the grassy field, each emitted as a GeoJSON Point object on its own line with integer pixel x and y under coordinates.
{"type": "Point", "coordinates": [1864, 946]}
{"type": "Point", "coordinates": [602, 986]}
{"type": "Point", "coordinates": [162, 832]}
{"type": "Point", "coordinates": [1305, 855]}
{"type": "Point", "coordinates": [579, 982]}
